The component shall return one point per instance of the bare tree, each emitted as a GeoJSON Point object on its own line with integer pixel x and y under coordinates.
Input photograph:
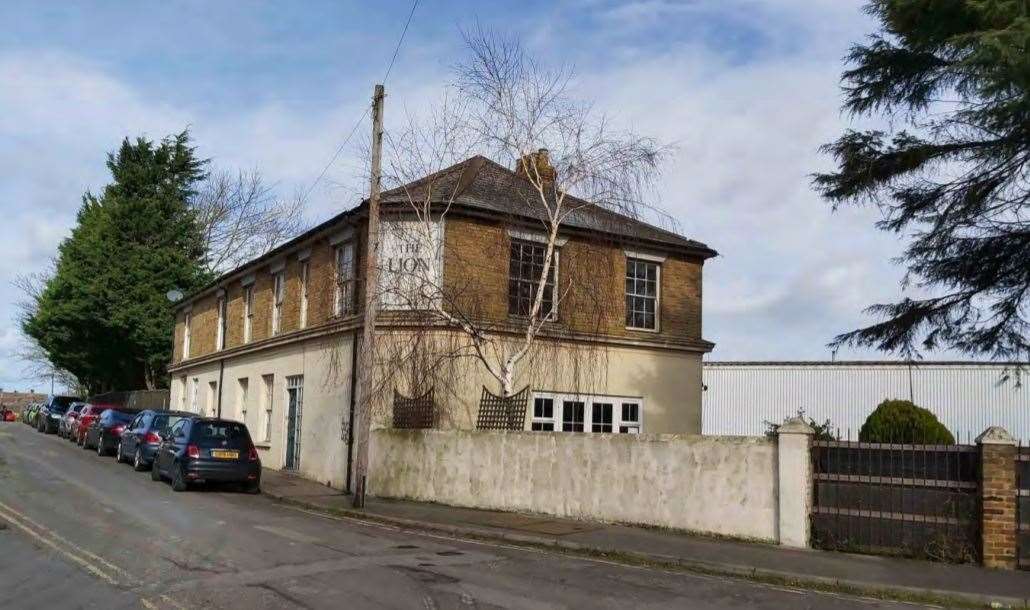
{"type": "Point", "coordinates": [569, 160]}
{"type": "Point", "coordinates": [242, 218]}
{"type": "Point", "coordinates": [36, 363]}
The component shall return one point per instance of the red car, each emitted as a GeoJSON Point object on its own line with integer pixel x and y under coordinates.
{"type": "Point", "coordinates": [86, 417]}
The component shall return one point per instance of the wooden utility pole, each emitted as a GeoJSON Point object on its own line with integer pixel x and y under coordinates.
{"type": "Point", "coordinates": [363, 413]}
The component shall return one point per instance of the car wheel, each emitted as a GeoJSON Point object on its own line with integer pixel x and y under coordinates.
{"type": "Point", "coordinates": [252, 487]}
{"type": "Point", "coordinates": [155, 474]}
{"type": "Point", "coordinates": [178, 478]}
{"type": "Point", "coordinates": [137, 461]}
{"type": "Point", "coordinates": [100, 446]}
{"type": "Point", "coordinates": [119, 456]}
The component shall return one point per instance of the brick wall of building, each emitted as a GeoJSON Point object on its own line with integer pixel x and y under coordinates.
{"type": "Point", "coordinates": [476, 255]}
{"type": "Point", "coordinates": [321, 288]}
{"type": "Point", "coordinates": [476, 273]}
{"type": "Point", "coordinates": [17, 401]}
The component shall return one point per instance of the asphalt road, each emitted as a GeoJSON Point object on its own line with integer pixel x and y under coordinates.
{"type": "Point", "coordinates": [85, 532]}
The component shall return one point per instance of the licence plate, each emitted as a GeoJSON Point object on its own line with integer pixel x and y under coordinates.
{"type": "Point", "coordinates": [225, 455]}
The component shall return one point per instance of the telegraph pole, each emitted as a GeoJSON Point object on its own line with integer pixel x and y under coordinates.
{"type": "Point", "coordinates": [363, 413]}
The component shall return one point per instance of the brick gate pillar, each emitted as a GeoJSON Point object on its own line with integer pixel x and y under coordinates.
{"type": "Point", "coordinates": [794, 469]}
{"type": "Point", "coordinates": [998, 498]}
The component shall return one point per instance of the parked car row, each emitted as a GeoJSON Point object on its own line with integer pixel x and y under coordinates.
{"type": "Point", "coordinates": [182, 447]}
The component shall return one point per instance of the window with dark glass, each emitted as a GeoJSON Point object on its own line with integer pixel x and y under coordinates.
{"type": "Point", "coordinates": [601, 417]}
{"type": "Point", "coordinates": [525, 268]}
{"type": "Point", "coordinates": [543, 414]}
{"type": "Point", "coordinates": [344, 301]}
{"type": "Point", "coordinates": [572, 416]}
{"type": "Point", "coordinates": [641, 294]}
{"type": "Point", "coordinates": [630, 418]}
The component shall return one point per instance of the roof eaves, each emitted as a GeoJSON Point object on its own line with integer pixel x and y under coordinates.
{"type": "Point", "coordinates": [252, 264]}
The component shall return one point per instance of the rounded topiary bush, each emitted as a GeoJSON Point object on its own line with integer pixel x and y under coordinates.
{"type": "Point", "coordinates": [901, 421]}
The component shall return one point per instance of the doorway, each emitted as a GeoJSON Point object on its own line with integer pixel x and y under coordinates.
{"type": "Point", "coordinates": [294, 409]}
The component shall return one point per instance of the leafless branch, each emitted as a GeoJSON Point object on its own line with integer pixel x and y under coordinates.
{"type": "Point", "coordinates": [242, 218]}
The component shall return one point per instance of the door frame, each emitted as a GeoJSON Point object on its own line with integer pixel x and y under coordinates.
{"type": "Point", "coordinates": [297, 386]}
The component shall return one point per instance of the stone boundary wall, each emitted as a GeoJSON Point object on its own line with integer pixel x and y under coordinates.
{"type": "Point", "coordinates": [714, 485]}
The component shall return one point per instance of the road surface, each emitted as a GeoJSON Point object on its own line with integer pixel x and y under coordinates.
{"type": "Point", "coordinates": [80, 531]}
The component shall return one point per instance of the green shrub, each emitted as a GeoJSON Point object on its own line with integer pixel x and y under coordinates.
{"type": "Point", "coordinates": [900, 421]}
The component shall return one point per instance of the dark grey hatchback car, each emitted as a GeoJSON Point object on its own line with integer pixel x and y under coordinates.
{"type": "Point", "coordinates": [142, 436]}
{"type": "Point", "coordinates": [207, 450]}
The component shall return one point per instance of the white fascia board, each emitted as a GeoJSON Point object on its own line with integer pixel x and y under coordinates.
{"type": "Point", "coordinates": [534, 236]}
{"type": "Point", "coordinates": [645, 256]}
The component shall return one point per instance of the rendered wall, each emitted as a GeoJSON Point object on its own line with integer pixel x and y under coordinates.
{"type": "Point", "coordinates": [669, 382]}
{"type": "Point", "coordinates": [323, 451]}
{"type": "Point", "coordinates": [715, 485]}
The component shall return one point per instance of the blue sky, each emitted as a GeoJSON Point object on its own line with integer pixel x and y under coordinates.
{"type": "Point", "coordinates": [747, 90]}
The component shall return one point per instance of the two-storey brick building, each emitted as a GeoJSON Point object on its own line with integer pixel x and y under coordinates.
{"type": "Point", "coordinates": [272, 343]}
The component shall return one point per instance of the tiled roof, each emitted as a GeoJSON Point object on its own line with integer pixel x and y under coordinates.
{"type": "Point", "coordinates": [482, 184]}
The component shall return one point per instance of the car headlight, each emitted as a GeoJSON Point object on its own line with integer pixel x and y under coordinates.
{"type": "Point", "coordinates": [54, 416]}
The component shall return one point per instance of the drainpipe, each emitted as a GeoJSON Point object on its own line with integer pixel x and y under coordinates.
{"type": "Point", "coordinates": [350, 421]}
{"type": "Point", "coordinates": [221, 374]}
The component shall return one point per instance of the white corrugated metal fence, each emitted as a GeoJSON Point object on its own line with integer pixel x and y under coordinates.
{"type": "Point", "coordinates": [966, 397]}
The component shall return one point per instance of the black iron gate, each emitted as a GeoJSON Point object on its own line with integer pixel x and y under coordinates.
{"type": "Point", "coordinates": [900, 499]}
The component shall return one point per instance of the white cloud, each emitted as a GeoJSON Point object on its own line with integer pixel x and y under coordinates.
{"type": "Point", "coordinates": [791, 274]}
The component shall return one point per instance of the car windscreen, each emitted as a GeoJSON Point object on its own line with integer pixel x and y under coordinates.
{"type": "Point", "coordinates": [61, 403]}
{"type": "Point", "coordinates": [163, 422]}
{"type": "Point", "coordinates": [78, 407]}
{"type": "Point", "coordinates": [57, 408]}
{"type": "Point", "coordinates": [220, 434]}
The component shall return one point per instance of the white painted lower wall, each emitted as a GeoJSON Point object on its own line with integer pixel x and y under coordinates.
{"type": "Point", "coordinates": [714, 485]}
{"type": "Point", "coordinates": [325, 406]}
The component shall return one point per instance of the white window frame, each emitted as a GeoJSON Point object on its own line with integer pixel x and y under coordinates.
{"type": "Point", "coordinates": [248, 312]}
{"type": "Point", "coordinates": [212, 398]}
{"type": "Point", "coordinates": [351, 282]}
{"type": "Point", "coordinates": [220, 343]}
{"type": "Point", "coordinates": [185, 390]}
{"type": "Point", "coordinates": [194, 390]}
{"type": "Point", "coordinates": [552, 315]}
{"type": "Point", "coordinates": [304, 294]}
{"type": "Point", "coordinates": [278, 298]}
{"type": "Point", "coordinates": [293, 382]}
{"type": "Point", "coordinates": [657, 292]}
{"type": "Point", "coordinates": [243, 391]}
{"type": "Point", "coordinates": [560, 398]}
{"type": "Point", "coordinates": [187, 334]}
{"type": "Point", "coordinates": [268, 382]}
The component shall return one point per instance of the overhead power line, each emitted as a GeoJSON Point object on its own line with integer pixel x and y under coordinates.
{"type": "Point", "coordinates": [361, 119]}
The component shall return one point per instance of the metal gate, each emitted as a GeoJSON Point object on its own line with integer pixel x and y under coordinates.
{"type": "Point", "coordinates": [294, 410]}
{"type": "Point", "coordinates": [899, 499]}
{"type": "Point", "coordinates": [1023, 508]}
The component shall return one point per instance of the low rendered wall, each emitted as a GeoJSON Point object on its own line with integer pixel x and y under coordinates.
{"type": "Point", "coordinates": [715, 485]}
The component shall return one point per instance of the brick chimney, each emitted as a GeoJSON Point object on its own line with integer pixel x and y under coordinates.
{"type": "Point", "coordinates": [540, 159]}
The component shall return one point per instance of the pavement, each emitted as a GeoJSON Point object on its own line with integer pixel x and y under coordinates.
{"type": "Point", "coordinates": [895, 578]}
{"type": "Point", "coordinates": [81, 531]}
